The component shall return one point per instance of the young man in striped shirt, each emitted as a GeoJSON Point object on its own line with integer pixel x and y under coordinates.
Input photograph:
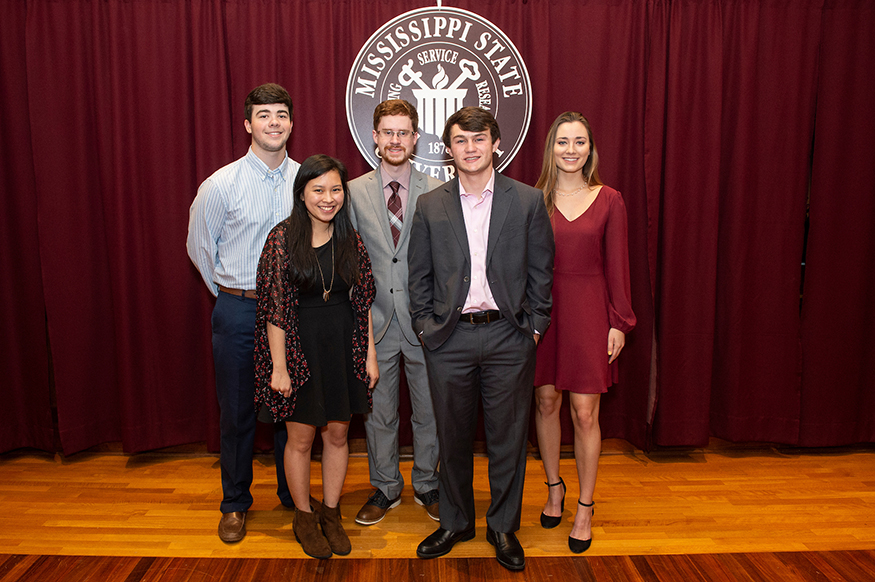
{"type": "Point", "coordinates": [229, 221]}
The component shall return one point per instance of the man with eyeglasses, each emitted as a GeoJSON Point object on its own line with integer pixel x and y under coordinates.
{"type": "Point", "coordinates": [382, 203]}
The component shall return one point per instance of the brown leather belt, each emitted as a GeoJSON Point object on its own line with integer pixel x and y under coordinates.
{"type": "Point", "coordinates": [248, 293]}
{"type": "Point", "coordinates": [479, 317]}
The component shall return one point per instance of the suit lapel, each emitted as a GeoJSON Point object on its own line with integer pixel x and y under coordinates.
{"type": "Point", "coordinates": [453, 208]}
{"type": "Point", "coordinates": [417, 186]}
{"type": "Point", "coordinates": [501, 200]}
{"type": "Point", "coordinates": [378, 202]}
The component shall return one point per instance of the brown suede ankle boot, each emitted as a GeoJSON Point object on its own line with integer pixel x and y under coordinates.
{"type": "Point", "coordinates": [329, 517]}
{"type": "Point", "coordinates": [307, 533]}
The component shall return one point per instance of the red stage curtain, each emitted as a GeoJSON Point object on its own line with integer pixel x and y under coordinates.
{"type": "Point", "coordinates": [764, 159]}
{"type": "Point", "coordinates": [26, 415]}
{"type": "Point", "coordinates": [703, 112]}
{"type": "Point", "coordinates": [838, 311]}
{"type": "Point", "coordinates": [682, 153]}
{"type": "Point", "coordinates": [730, 153]}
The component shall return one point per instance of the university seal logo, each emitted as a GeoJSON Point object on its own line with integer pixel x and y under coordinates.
{"type": "Point", "coordinates": [440, 60]}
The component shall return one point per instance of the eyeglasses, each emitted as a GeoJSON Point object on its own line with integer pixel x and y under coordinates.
{"type": "Point", "coordinates": [390, 133]}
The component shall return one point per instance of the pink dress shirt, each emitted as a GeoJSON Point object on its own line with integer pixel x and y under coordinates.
{"type": "Point", "coordinates": [477, 210]}
{"type": "Point", "coordinates": [403, 191]}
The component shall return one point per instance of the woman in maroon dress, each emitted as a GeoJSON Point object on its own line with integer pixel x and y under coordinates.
{"type": "Point", "coordinates": [315, 361]}
{"type": "Point", "coordinates": [592, 312]}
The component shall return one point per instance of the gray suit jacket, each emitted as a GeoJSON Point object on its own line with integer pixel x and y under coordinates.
{"type": "Point", "coordinates": [389, 263]}
{"type": "Point", "coordinates": [519, 259]}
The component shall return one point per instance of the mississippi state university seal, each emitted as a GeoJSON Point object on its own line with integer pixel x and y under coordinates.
{"type": "Point", "coordinates": [440, 60]}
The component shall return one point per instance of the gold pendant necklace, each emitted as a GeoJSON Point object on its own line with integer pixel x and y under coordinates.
{"type": "Point", "coordinates": [325, 291]}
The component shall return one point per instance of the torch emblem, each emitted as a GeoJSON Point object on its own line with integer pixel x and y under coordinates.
{"type": "Point", "coordinates": [435, 104]}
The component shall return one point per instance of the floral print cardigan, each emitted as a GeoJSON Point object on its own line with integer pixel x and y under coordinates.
{"type": "Point", "coordinates": [278, 304]}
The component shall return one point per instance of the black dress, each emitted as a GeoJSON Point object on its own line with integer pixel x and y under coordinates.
{"type": "Point", "coordinates": [333, 393]}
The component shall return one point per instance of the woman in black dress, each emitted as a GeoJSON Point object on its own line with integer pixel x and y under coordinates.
{"type": "Point", "coordinates": [315, 361]}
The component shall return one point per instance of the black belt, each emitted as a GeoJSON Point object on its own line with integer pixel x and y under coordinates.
{"type": "Point", "coordinates": [479, 317]}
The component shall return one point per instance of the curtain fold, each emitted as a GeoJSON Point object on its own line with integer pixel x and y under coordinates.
{"type": "Point", "coordinates": [684, 140]}
{"type": "Point", "coordinates": [736, 129]}
{"type": "Point", "coordinates": [709, 116]}
{"type": "Point", "coordinates": [838, 399]}
{"type": "Point", "coordinates": [26, 417]}
{"type": "Point", "coordinates": [756, 382]}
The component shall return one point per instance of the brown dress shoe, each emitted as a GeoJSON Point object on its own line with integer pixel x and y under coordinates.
{"type": "Point", "coordinates": [232, 527]}
{"type": "Point", "coordinates": [307, 533]}
{"type": "Point", "coordinates": [329, 517]}
{"type": "Point", "coordinates": [430, 500]}
{"type": "Point", "coordinates": [375, 508]}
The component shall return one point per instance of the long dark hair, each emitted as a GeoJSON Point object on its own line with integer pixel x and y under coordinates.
{"type": "Point", "coordinates": [303, 269]}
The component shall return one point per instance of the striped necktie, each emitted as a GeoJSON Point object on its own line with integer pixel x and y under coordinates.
{"type": "Point", "coordinates": [394, 206]}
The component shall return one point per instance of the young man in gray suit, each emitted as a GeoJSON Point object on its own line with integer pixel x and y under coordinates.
{"type": "Point", "coordinates": [481, 272]}
{"type": "Point", "coordinates": [382, 203]}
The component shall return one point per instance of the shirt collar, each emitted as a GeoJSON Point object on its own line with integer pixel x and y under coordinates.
{"type": "Point", "coordinates": [266, 173]}
{"type": "Point", "coordinates": [490, 187]}
{"type": "Point", "coordinates": [403, 179]}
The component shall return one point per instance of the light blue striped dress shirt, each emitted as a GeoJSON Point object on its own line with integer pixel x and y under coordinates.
{"type": "Point", "coordinates": [231, 216]}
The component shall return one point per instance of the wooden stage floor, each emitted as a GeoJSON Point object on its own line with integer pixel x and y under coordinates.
{"type": "Point", "coordinates": [670, 515]}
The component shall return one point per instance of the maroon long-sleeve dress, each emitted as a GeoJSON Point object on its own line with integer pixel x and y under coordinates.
{"type": "Point", "coordinates": [590, 295]}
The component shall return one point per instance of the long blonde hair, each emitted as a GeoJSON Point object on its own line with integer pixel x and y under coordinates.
{"type": "Point", "coordinates": [549, 171]}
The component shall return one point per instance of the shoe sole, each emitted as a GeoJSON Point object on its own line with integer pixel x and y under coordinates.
{"type": "Point", "coordinates": [420, 503]}
{"type": "Point", "coordinates": [297, 539]}
{"type": "Point", "coordinates": [391, 506]}
{"type": "Point", "coordinates": [465, 538]}
{"type": "Point", "coordinates": [513, 567]}
{"type": "Point", "coordinates": [232, 539]}
{"type": "Point", "coordinates": [348, 552]}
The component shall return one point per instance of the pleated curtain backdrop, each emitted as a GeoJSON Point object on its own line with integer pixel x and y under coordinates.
{"type": "Point", "coordinates": [723, 123]}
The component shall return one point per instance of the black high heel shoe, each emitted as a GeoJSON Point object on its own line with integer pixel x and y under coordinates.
{"type": "Point", "coordinates": [579, 546]}
{"type": "Point", "coordinates": [549, 521]}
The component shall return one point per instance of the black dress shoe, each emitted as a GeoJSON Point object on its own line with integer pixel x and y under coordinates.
{"type": "Point", "coordinates": [508, 550]}
{"type": "Point", "coordinates": [442, 541]}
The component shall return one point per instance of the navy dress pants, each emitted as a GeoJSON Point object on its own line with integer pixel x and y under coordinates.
{"type": "Point", "coordinates": [233, 324]}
